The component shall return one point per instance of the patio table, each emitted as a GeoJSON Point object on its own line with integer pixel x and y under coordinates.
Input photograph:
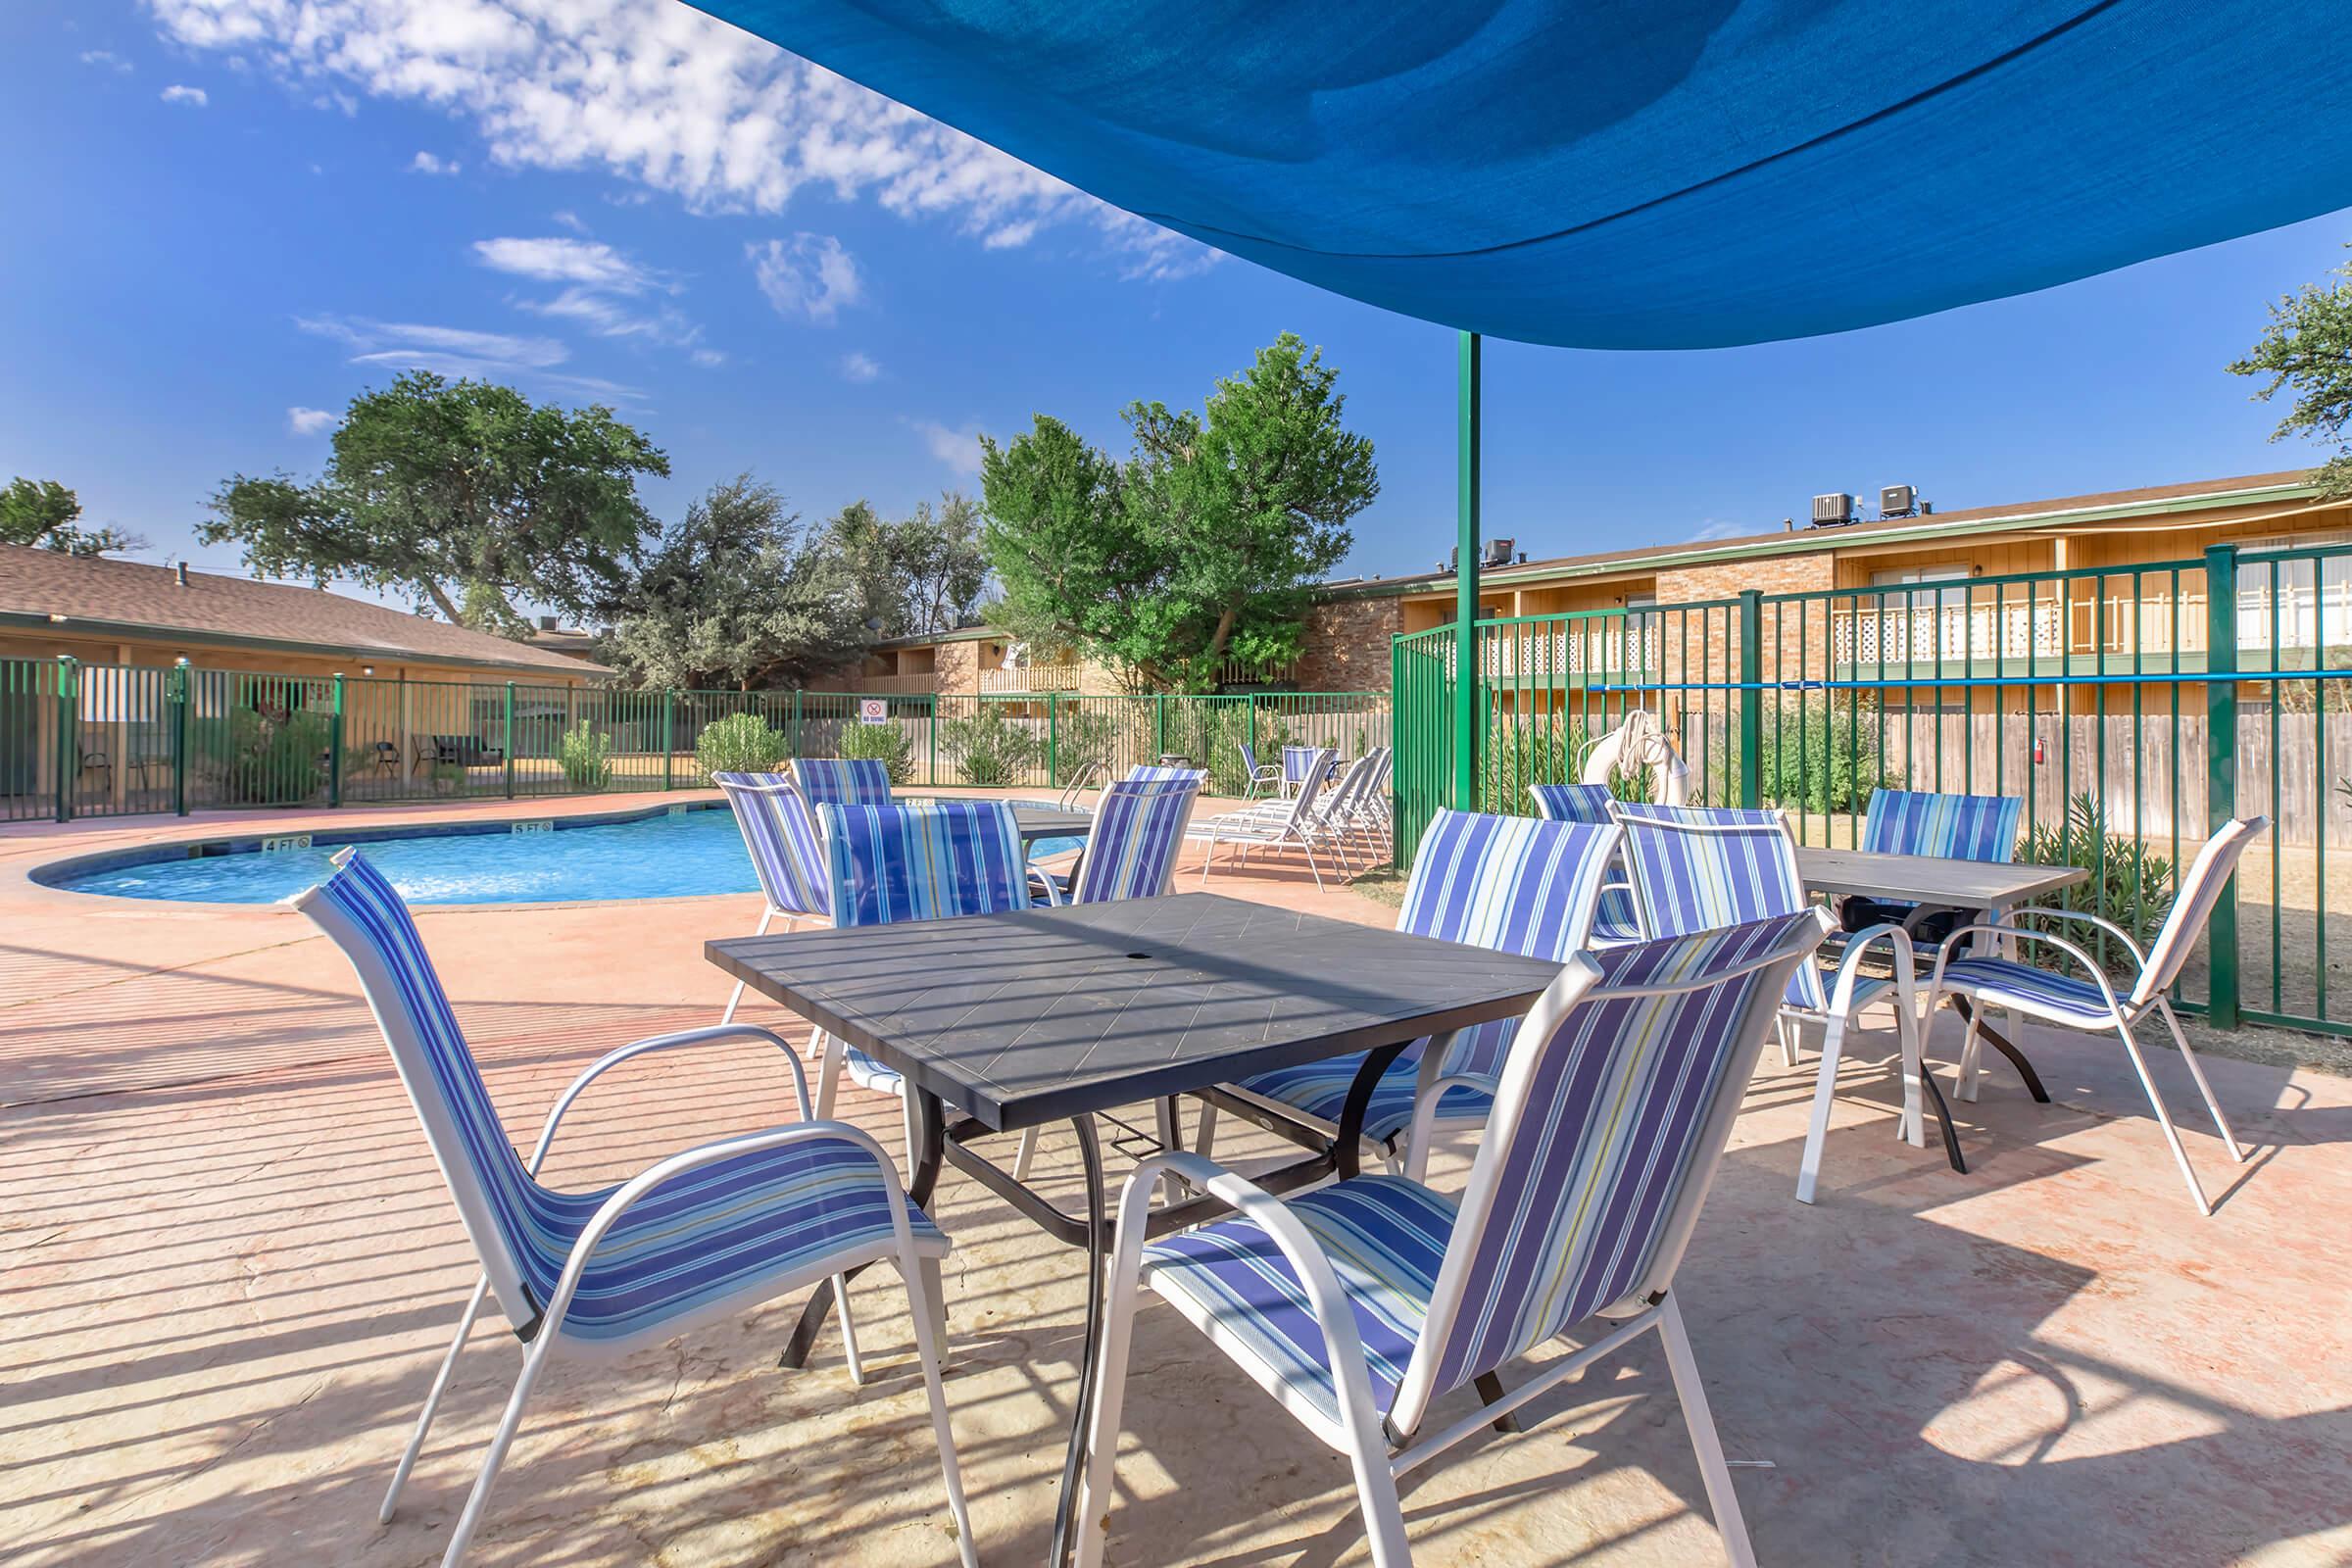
{"type": "Point", "coordinates": [1937, 885]}
{"type": "Point", "coordinates": [1010, 1022]}
{"type": "Point", "coordinates": [1050, 822]}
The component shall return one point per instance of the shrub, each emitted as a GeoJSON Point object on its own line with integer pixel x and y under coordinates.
{"type": "Point", "coordinates": [886, 744]}
{"type": "Point", "coordinates": [1822, 762]}
{"type": "Point", "coordinates": [276, 757]}
{"type": "Point", "coordinates": [1084, 738]}
{"type": "Point", "coordinates": [740, 743]}
{"type": "Point", "coordinates": [2128, 885]}
{"type": "Point", "coordinates": [586, 756]}
{"type": "Point", "coordinates": [1210, 731]}
{"type": "Point", "coordinates": [990, 749]}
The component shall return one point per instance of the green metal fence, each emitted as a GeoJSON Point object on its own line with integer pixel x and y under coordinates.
{"type": "Point", "coordinates": [2091, 694]}
{"type": "Point", "coordinates": [90, 740]}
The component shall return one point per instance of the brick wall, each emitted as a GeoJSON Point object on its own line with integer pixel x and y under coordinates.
{"type": "Point", "coordinates": [958, 669]}
{"type": "Point", "coordinates": [1345, 646]}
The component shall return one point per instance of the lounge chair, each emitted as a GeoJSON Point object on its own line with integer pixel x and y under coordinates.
{"type": "Point", "coordinates": [1270, 824]}
{"type": "Point", "coordinates": [697, 1236]}
{"type": "Point", "coordinates": [1359, 1305]}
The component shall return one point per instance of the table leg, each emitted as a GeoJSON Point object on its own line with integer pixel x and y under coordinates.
{"type": "Point", "coordinates": [922, 1180]}
{"type": "Point", "coordinates": [1098, 1254]}
{"type": "Point", "coordinates": [2000, 1043]}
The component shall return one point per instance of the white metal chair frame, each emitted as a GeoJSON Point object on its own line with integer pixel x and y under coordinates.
{"type": "Point", "coordinates": [792, 919]}
{"type": "Point", "coordinates": [1381, 1451]}
{"type": "Point", "coordinates": [1845, 1006]}
{"type": "Point", "coordinates": [1262, 776]}
{"type": "Point", "coordinates": [2158, 969]}
{"type": "Point", "coordinates": [1289, 823]}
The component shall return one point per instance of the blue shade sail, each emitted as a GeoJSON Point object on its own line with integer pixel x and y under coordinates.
{"type": "Point", "coordinates": [1641, 174]}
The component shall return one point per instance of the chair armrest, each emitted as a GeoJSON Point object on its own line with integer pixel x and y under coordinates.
{"type": "Point", "coordinates": [1944, 955]}
{"type": "Point", "coordinates": [1906, 975]}
{"type": "Point", "coordinates": [654, 1176]}
{"type": "Point", "coordinates": [653, 1042]}
{"type": "Point", "coordinates": [2086, 918]}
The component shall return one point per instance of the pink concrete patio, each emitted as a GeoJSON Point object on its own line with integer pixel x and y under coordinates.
{"type": "Point", "coordinates": [231, 1267]}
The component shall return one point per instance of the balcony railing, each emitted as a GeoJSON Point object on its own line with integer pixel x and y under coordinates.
{"type": "Point", "coordinates": [898, 685]}
{"type": "Point", "coordinates": [2119, 626]}
{"type": "Point", "coordinates": [1038, 678]}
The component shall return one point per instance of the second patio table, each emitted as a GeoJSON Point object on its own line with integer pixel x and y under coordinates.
{"type": "Point", "coordinates": [1010, 1021]}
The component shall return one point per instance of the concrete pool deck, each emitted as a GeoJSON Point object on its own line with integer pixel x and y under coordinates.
{"type": "Point", "coordinates": [230, 1268]}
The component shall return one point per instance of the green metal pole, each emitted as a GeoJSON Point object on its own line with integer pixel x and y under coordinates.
{"type": "Point", "coordinates": [1052, 739]}
{"type": "Point", "coordinates": [509, 749]}
{"type": "Point", "coordinates": [796, 721]}
{"type": "Point", "coordinates": [670, 744]}
{"type": "Point", "coordinates": [69, 741]}
{"type": "Point", "coordinates": [2221, 776]}
{"type": "Point", "coordinates": [179, 737]}
{"type": "Point", "coordinates": [1465, 578]}
{"type": "Point", "coordinates": [931, 768]}
{"type": "Point", "coordinates": [1159, 728]}
{"type": "Point", "coordinates": [1751, 697]}
{"type": "Point", "coordinates": [334, 748]}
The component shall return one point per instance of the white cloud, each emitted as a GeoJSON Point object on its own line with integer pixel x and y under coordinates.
{"type": "Point", "coordinates": [1720, 528]}
{"type": "Point", "coordinates": [659, 93]}
{"type": "Point", "coordinates": [959, 450]}
{"type": "Point", "coordinates": [708, 358]}
{"type": "Point", "coordinates": [106, 59]}
{"type": "Point", "coordinates": [859, 367]}
{"type": "Point", "coordinates": [556, 260]}
{"type": "Point", "coordinates": [427, 163]}
{"type": "Point", "coordinates": [307, 421]}
{"type": "Point", "coordinates": [459, 352]}
{"type": "Point", "coordinates": [571, 221]}
{"type": "Point", "coordinates": [809, 275]}
{"type": "Point", "coordinates": [194, 97]}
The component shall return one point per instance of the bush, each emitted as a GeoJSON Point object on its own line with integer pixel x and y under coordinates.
{"type": "Point", "coordinates": [886, 744]}
{"type": "Point", "coordinates": [586, 756]}
{"type": "Point", "coordinates": [740, 743]}
{"type": "Point", "coordinates": [276, 757]}
{"type": "Point", "coordinates": [990, 749]}
{"type": "Point", "coordinates": [1210, 731]}
{"type": "Point", "coordinates": [1084, 738]}
{"type": "Point", "coordinates": [2128, 885]}
{"type": "Point", "coordinates": [1821, 763]}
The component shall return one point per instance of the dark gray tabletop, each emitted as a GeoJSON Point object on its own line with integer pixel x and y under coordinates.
{"type": "Point", "coordinates": [1929, 879]}
{"type": "Point", "coordinates": [1018, 1019]}
{"type": "Point", "coordinates": [1046, 823]}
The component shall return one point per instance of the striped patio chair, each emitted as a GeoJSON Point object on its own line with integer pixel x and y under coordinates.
{"type": "Point", "coordinates": [2088, 1000]}
{"type": "Point", "coordinates": [1952, 827]}
{"type": "Point", "coordinates": [1149, 773]}
{"type": "Point", "coordinates": [1262, 776]}
{"type": "Point", "coordinates": [852, 781]}
{"type": "Point", "coordinates": [1616, 920]}
{"type": "Point", "coordinates": [1511, 883]}
{"type": "Point", "coordinates": [1362, 1303]}
{"type": "Point", "coordinates": [781, 838]}
{"type": "Point", "coordinates": [1696, 868]}
{"type": "Point", "coordinates": [707, 1231]}
{"type": "Point", "coordinates": [1298, 761]}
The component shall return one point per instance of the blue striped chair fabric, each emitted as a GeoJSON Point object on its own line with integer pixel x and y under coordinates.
{"type": "Point", "coordinates": [1616, 920]}
{"type": "Point", "coordinates": [1511, 883]}
{"type": "Point", "coordinates": [1296, 760]}
{"type": "Point", "coordinates": [1954, 827]}
{"type": "Point", "coordinates": [1576, 1190]}
{"type": "Point", "coordinates": [850, 781]}
{"type": "Point", "coordinates": [920, 860]}
{"type": "Point", "coordinates": [1146, 773]}
{"type": "Point", "coordinates": [708, 1235]}
{"type": "Point", "coordinates": [781, 838]}
{"type": "Point", "coordinates": [1137, 832]}
{"type": "Point", "coordinates": [2007, 983]}
{"type": "Point", "coordinates": [1699, 869]}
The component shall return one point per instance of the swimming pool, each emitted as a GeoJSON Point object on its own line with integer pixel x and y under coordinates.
{"type": "Point", "coordinates": [676, 854]}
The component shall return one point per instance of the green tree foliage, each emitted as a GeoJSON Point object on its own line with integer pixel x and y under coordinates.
{"type": "Point", "coordinates": [457, 492]}
{"type": "Point", "coordinates": [920, 574]}
{"type": "Point", "coordinates": [2308, 347]}
{"type": "Point", "coordinates": [1201, 545]}
{"type": "Point", "coordinates": [44, 513]}
{"type": "Point", "coordinates": [738, 594]}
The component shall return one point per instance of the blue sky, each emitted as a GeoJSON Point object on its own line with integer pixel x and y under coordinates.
{"type": "Point", "coordinates": [225, 212]}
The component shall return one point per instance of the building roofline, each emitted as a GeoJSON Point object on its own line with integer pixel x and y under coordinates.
{"type": "Point", "coordinates": [150, 631]}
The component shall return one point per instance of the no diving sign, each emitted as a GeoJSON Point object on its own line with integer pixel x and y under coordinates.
{"type": "Point", "coordinates": [873, 711]}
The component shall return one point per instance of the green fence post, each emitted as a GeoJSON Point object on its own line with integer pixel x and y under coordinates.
{"type": "Point", "coordinates": [179, 737]}
{"type": "Point", "coordinates": [1052, 739]}
{"type": "Point", "coordinates": [796, 721]}
{"type": "Point", "coordinates": [670, 741]}
{"type": "Point", "coordinates": [509, 749]}
{"type": "Point", "coordinates": [931, 763]}
{"type": "Point", "coordinates": [1251, 725]}
{"type": "Point", "coordinates": [1159, 725]}
{"type": "Point", "coordinates": [69, 739]}
{"type": "Point", "coordinates": [1751, 696]}
{"type": "Point", "coordinates": [334, 748]}
{"type": "Point", "coordinates": [2221, 771]}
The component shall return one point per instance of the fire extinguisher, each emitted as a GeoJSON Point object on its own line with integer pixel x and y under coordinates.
{"type": "Point", "coordinates": [2039, 756]}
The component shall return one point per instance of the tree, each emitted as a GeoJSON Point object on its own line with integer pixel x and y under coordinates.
{"type": "Point", "coordinates": [2308, 346]}
{"type": "Point", "coordinates": [455, 493]}
{"type": "Point", "coordinates": [738, 595]}
{"type": "Point", "coordinates": [1204, 544]}
{"type": "Point", "coordinates": [44, 513]}
{"type": "Point", "coordinates": [921, 573]}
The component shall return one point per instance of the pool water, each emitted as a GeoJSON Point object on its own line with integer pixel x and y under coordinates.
{"type": "Point", "coordinates": [695, 851]}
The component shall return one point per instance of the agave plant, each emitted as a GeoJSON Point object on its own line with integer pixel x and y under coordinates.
{"type": "Point", "coordinates": [2128, 883]}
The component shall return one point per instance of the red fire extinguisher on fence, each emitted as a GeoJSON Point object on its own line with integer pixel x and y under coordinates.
{"type": "Point", "coordinates": [2039, 756]}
